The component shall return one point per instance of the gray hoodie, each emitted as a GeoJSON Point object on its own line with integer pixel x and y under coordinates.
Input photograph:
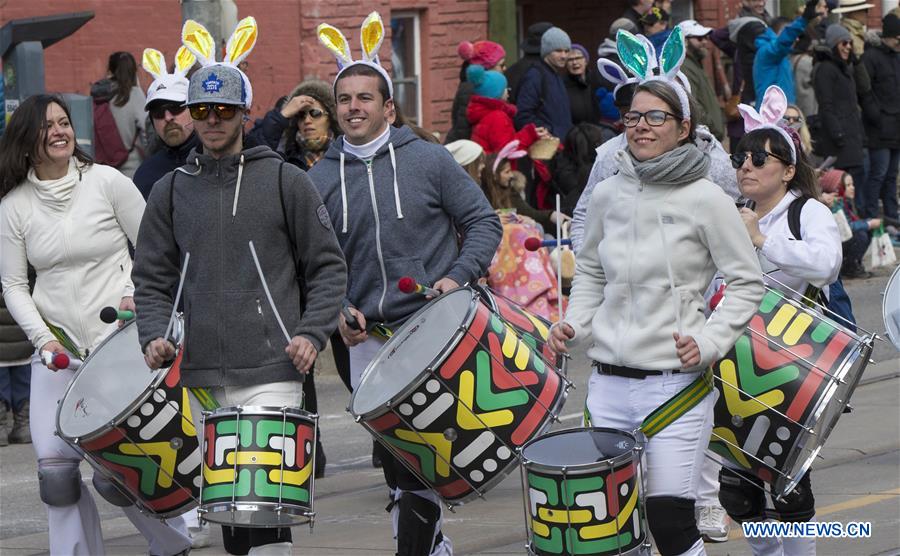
{"type": "Point", "coordinates": [231, 335]}
{"type": "Point", "coordinates": [398, 216]}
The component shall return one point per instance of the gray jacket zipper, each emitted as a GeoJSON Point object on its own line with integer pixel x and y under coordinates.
{"type": "Point", "coordinates": [377, 241]}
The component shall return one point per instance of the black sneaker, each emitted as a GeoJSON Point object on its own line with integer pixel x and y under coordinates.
{"type": "Point", "coordinates": [320, 460]}
{"type": "Point", "coordinates": [376, 457]}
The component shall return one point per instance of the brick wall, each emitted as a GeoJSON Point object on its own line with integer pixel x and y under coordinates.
{"type": "Point", "coordinates": [287, 49]}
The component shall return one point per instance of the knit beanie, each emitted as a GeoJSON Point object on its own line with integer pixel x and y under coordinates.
{"type": "Point", "coordinates": [489, 84]}
{"type": "Point", "coordinates": [836, 33]}
{"type": "Point", "coordinates": [483, 53]}
{"type": "Point", "coordinates": [464, 151]}
{"type": "Point", "coordinates": [831, 181]}
{"type": "Point", "coordinates": [554, 38]}
{"type": "Point", "coordinates": [584, 52]}
{"type": "Point", "coordinates": [890, 26]}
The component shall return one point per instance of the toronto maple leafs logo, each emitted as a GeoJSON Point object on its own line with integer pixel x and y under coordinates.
{"type": "Point", "coordinates": [212, 84]}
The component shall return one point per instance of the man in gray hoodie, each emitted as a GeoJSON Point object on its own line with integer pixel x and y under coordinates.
{"type": "Point", "coordinates": [224, 197]}
{"type": "Point", "coordinates": [397, 203]}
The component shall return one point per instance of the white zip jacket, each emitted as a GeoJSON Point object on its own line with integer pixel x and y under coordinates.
{"type": "Point", "coordinates": [621, 294]}
{"type": "Point", "coordinates": [79, 249]}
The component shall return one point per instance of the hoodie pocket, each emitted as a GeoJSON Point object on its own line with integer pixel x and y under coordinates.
{"type": "Point", "coordinates": [399, 305]}
{"type": "Point", "coordinates": [201, 341]}
{"type": "Point", "coordinates": [252, 337]}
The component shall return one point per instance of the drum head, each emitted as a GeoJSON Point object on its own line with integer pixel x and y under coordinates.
{"type": "Point", "coordinates": [890, 308]}
{"type": "Point", "coordinates": [573, 447]}
{"type": "Point", "coordinates": [412, 349]}
{"type": "Point", "coordinates": [111, 380]}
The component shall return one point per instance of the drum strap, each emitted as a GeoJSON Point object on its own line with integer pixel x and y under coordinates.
{"type": "Point", "coordinates": [63, 338]}
{"type": "Point", "coordinates": [679, 404]}
{"type": "Point", "coordinates": [205, 397]}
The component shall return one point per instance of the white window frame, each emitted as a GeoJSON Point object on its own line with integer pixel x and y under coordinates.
{"type": "Point", "coordinates": [416, 17]}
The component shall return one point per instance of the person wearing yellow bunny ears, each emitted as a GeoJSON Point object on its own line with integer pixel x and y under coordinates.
{"type": "Point", "coordinates": [395, 200]}
{"type": "Point", "coordinates": [234, 345]}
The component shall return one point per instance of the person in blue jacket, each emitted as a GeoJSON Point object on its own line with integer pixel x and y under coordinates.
{"type": "Point", "coordinates": [772, 65]}
{"type": "Point", "coordinates": [542, 98]}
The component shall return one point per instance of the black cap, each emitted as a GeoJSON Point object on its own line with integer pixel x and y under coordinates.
{"type": "Point", "coordinates": [891, 26]}
{"type": "Point", "coordinates": [532, 42]}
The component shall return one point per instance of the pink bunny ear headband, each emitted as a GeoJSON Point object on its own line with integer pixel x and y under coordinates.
{"type": "Point", "coordinates": [770, 115]}
{"type": "Point", "coordinates": [510, 151]}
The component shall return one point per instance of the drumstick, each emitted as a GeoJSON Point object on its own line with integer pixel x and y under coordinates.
{"type": "Point", "coordinates": [187, 258]}
{"type": "Point", "coordinates": [559, 256]}
{"type": "Point", "coordinates": [675, 302]}
{"type": "Point", "coordinates": [269, 294]}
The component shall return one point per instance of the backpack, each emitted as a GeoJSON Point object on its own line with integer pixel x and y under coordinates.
{"type": "Point", "coordinates": [838, 301]}
{"type": "Point", "coordinates": [108, 146]}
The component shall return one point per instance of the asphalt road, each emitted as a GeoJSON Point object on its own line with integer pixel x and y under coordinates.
{"type": "Point", "coordinates": [857, 478]}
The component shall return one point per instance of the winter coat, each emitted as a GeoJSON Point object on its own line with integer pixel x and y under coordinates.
{"type": "Point", "coordinates": [397, 214]}
{"type": "Point", "coordinates": [491, 121]}
{"type": "Point", "coordinates": [516, 72]}
{"type": "Point", "coordinates": [14, 345]}
{"type": "Point", "coordinates": [585, 106]}
{"type": "Point", "coordinates": [772, 66]}
{"type": "Point", "coordinates": [460, 126]}
{"type": "Point", "coordinates": [840, 132]}
{"type": "Point", "coordinates": [802, 63]}
{"type": "Point", "coordinates": [883, 67]}
{"type": "Point", "coordinates": [703, 92]}
{"type": "Point", "coordinates": [543, 101]}
{"type": "Point", "coordinates": [269, 131]}
{"type": "Point", "coordinates": [212, 208]}
{"type": "Point", "coordinates": [162, 162]}
{"type": "Point", "coordinates": [742, 32]}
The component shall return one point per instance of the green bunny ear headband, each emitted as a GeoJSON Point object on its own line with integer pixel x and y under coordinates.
{"type": "Point", "coordinates": [640, 58]}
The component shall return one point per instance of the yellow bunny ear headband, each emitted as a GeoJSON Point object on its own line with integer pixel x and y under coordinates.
{"type": "Point", "coordinates": [371, 36]}
{"type": "Point", "coordinates": [220, 82]}
{"type": "Point", "coordinates": [167, 86]}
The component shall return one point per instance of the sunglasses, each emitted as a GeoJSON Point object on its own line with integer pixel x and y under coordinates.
{"type": "Point", "coordinates": [846, 43]}
{"type": "Point", "coordinates": [791, 119]}
{"type": "Point", "coordinates": [159, 112]}
{"type": "Point", "coordinates": [758, 158]}
{"type": "Point", "coordinates": [223, 111]}
{"type": "Point", "coordinates": [653, 118]}
{"type": "Point", "coordinates": [313, 113]}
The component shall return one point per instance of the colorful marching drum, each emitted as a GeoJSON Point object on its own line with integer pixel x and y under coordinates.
{"type": "Point", "coordinates": [458, 388]}
{"type": "Point", "coordinates": [134, 425]}
{"type": "Point", "coordinates": [258, 466]}
{"type": "Point", "coordinates": [582, 493]}
{"type": "Point", "coordinates": [782, 388]}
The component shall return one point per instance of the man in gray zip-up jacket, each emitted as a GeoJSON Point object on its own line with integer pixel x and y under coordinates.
{"type": "Point", "coordinates": [396, 203]}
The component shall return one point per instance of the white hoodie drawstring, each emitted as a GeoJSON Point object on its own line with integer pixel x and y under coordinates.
{"type": "Point", "coordinates": [343, 196]}
{"type": "Point", "coordinates": [396, 188]}
{"type": "Point", "coordinates": [196, 163]}
{"type": "Point", "coordinates": [237, 189]}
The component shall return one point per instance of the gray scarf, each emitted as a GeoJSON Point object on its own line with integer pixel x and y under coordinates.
{"type": "Point", "coordinates": [680, 166]}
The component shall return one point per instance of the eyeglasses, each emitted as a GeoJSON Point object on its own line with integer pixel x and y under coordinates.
{"type": "Point", "coordinates": [653, 118]}
{"type": "Point", "coordinates": [846, 43]}
{"type": "Point", "coordinates": [314, 113]}
{"type": "Point", "coordinates": [791, 119]}
{"type": "Point", "coordinates": [758, 158]}
{"type": "Point", "coordinates": [159, 112]}
{"type": "Point", "coordinates": [223, 111]}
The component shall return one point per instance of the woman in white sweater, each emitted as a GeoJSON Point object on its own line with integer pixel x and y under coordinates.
{"type": "Point", "coordinates": [71, 220]}
{"type": "Point", "coordinates": [656, 234]}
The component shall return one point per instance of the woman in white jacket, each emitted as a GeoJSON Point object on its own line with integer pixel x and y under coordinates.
{"type": "Point", "coordinates": [656, 234]}
{"type": "Point", "coordinates": [774, 173]}
{"type": "Point", "coordinates": [71, 220]}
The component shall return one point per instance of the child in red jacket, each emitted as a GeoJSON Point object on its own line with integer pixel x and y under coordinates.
{"type": "Point", "coordinates": [491, 115]}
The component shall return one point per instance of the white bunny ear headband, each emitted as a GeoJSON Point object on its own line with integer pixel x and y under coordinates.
{"type": "Point", "coordinates": [769, 116]}
{"type": "Point", "coordinates": [640, 58]}
{"type": "Point", "coordinates": [167, 86]}
{"type": "Point", "coordinates": [200, 42]}
{"type": "Point", "coordinates": [371, 36]}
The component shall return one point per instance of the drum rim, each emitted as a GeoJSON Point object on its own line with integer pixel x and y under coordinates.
{"type": "Point", "coordinates": [440, 358]}
{"type": "Point", "coordinates": [578, 467]}
{"type": "Point", "coordinates": [255, 410]}
{"type": "Point", "coordinates": [289, 508]}
{"type": "Point", "coordinates": [894, 280]}
{"type": "Point", "coordinates": [152, 386]}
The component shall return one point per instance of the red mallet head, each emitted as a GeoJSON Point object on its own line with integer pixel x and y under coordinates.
{"type": "Point", "coordinates": [533, 243]}
{"type": "Point", "coordinates": [61, 361]}
{"type": "Point", "coordinates": [407, 284]}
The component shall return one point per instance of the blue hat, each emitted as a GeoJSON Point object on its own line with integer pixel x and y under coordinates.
{"type": "Point", "coordinates": [489, 84]}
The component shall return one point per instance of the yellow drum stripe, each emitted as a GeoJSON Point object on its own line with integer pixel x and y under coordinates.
{"type": "Point", "coordinates": [731, 445]}
{"type": "Point", "coordinates": [797, 328]}
{"type": "Point", "coordinates": [523, 353]}
{"type": "Point", "coordinates": [291, 477]}
{"type": "Point", "coordinates": [466, 418]}
{"type": "Point", "coordinates": [509, 344]}
{"type": "Point", "coordinates": [214, 477]}
{"type": "Point", "coordinates": [254, 458]}
{"type": "Point", "coordinates": [540, 529]}
{"type": "Point", "coordinates": [611, 528]}
{"type": "Point", "coordinates": [563, 516]}
{"type": "Point", "coordinates": [542, 330]}
{"type": "Point", "coordinates": [187, 419]}
{"type": "Point", "coordinates": [165, 453]}
{"type": "Point", "coordinates": [781, 320]}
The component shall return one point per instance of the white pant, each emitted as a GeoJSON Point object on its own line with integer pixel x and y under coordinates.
{"type": "Point", "coordinates": [75, 529]}
{"type": "Point", "coordinates": [673, 457]}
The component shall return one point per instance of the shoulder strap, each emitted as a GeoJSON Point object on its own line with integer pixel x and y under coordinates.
{"type": "Point", "coordinates": [794, 210]}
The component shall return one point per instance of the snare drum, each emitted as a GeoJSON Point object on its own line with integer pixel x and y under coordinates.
{"type": "Point", "coordinates": [258, 466]}
{"type": "Point", "coordinates": [582, 493]}
{"type": "Point", "coordinates": [134, 424]}
{"type": "Point", "coordinates": [782, 388]}
{"type": "Point", "coordinates": [454, 393]}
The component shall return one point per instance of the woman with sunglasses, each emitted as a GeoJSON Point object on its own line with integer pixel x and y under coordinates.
{"type": "Point", "coordinates": [774, 173]}
{"type": "Point", "coordinates": [71, 220]}
{"type": "Point", "coordinates": [655, 234]}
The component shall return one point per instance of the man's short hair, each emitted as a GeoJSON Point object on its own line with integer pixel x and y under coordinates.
{"type": "Point", "coordinates": [362, 69]}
